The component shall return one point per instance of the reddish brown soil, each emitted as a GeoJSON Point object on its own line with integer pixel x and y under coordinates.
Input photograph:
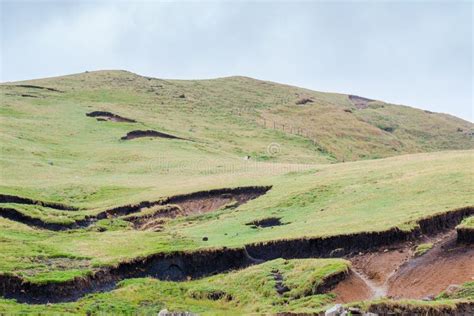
{"type": "Point", "coordinates": [196, 203]}
{"type": "Point", "coordinates": [204, 204]}
{"type": "Point", "coordinates": [447, 263]}
{"type": "Point", "coordinates": [378, 266]}
{"type": "Point", "coordinates": [352, 289]}
{"type": "Point", "coordinates": [395, 272]}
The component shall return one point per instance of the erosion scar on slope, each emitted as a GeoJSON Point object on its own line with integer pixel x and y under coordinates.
{"type": "Point", "coordinates": [396, 272]}
{"type": "Point", "coordinates": [179, 205]}
{"type": "Point", "coordinates": [212, 261]}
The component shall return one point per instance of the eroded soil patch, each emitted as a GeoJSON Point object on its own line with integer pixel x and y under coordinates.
{"type": "Point", "coordinates": [265, 222]}
{"type": "Point", "coordinates": [447, 263]}
{"type": "Point", "coordinates": [359, 102]}
{"type": "Point", "coordinates": [208, 201]}
{"type": "Point", "coordinates": [103, 116]}
{"type": "Point", "coordinates": [149, 133]}
{"type": "Point", "coordinates": [5, 198]}
{"type": "Point", "coordinates": [179, 205]}
{"type": "Point", "coordinates": [153, 218]}
{"type": "Point", "coordinates": [397, 273]}
{"type": "Point", "coordinates": [303, 101]}
{"type": "Point", "coordinates": [37, 87]}
{"type": "Point", "coordinates": [183, 265]}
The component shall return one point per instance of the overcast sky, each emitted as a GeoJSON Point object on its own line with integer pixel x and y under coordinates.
{"type": "Point", "coordinates": [413, 53]}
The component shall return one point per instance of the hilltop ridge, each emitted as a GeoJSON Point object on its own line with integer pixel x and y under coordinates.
{"type": "Point", "coordinates": [312, 126]}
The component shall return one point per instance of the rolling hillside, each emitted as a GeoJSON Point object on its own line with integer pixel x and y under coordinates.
{"type": "Point", "coordinates": [113, 182]}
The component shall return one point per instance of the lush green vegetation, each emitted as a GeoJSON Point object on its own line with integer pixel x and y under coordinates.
{"type": "Point", "coordinates": [50, 150]}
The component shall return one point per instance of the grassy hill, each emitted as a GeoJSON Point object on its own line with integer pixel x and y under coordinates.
{"type": "Point", "coordinates": [64, 141]}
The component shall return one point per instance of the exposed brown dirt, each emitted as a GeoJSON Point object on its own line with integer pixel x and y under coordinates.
{"type": "Point", "coordinates": [404, 309]}
{"type": "Point", "coordinates": [149, 133]}
{"type": "Point", "coordinates": [359, 102]}
{"type": "Point", "coordinates": [178, 205]}
{"type": "Point", "coordinates": [445, 264]}
{"type": "Point", "coordinates": [200, 205]}
{"type": "Point", "coordinates": [154, 220]}
{"type": "Point", "coordinates": [194, 204]}
{"type": "Point", "coordinates": [103, 115]}
{"type": "Point", "coordinates": [208, 201]}
{"type": "Point", "coordinates": [352, 289]}
{"type": "Point", "coordinates": [395, 272]}
{"type": "Point", "coordinates": [303, 101]}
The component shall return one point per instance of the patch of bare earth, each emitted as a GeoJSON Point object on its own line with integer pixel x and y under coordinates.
{"type": "Point", "coordinates": [352, 289]}
{"type": "Point", "coordinates": [211, 201]}
{"type": "Point", "coordinates": [194, 204]}
{"type": "Point", "coordinates": [108, 116]}
{"type": "Point", "coordinates": [150, 134]}
{"type": "Point", "coordinates": [359, 102]}
{"type": "Point", "coordinates": [394, 272]}
{"type": "Point", "coordinates": [447, 263]}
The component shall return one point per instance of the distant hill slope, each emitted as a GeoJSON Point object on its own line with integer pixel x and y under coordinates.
{"type": "Point", "coordinates": [235, 115]}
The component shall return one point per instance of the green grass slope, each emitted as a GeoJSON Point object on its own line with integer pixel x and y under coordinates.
{"type": "Point", "coordinates": [51, 151]}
